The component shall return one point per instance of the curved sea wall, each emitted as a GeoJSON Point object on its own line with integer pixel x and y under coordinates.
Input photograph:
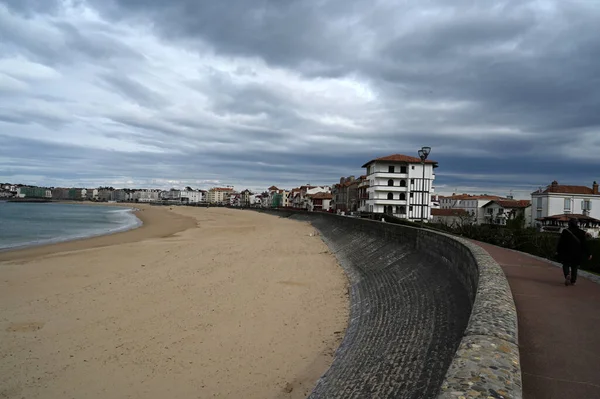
{"type": "Point", "coordinates": [432, 315]}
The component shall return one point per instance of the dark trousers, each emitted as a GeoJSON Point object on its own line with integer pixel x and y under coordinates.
{"type": "Point", "coordinates": [572, 267]}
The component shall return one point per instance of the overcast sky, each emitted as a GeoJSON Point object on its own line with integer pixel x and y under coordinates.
{"type": "Point", "coordinates": [249, 93]}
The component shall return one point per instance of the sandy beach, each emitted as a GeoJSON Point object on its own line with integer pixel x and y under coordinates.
{"type": "Point", "coordinates": [197, 303]}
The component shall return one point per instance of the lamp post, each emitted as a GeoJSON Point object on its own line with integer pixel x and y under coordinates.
{"type": "Point", "coordinates": [423, 154]}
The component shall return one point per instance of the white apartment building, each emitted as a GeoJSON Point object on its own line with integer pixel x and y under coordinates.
{"type": "Point", "coordinates": [396, 186]}
{"type": "Point", "coordinates": [553, 207]}
{"type": "Point", "coordinates": [218, 195]}
{"type": "Point", "coordinates": [192, 196]}
{"type": "Point", "coordinates": [147, 195]}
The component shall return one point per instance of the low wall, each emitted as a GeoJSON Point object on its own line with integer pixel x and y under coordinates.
{"type": "Point", "coordinates": [432, 315]}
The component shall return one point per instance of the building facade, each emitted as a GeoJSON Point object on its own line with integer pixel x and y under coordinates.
{"type": "Point", "coordinates": [400, 185]}
{"type": "Point", "coordinates": [473, 204]}
{"type": "Point", "coordinates": [554, 205]}
{"type": "Point", "coordinates": [34, 192]}
{"type": "Point", "coordinates": [500, 212]}
{"type": "Point", "coordinates": [219, 195]}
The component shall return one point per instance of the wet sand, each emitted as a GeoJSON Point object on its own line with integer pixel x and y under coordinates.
{"type": "Point", "coordinates": [197, 303]}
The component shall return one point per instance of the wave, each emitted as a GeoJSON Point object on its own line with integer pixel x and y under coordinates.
{"type": "Point", "coordinates": [127, 221]}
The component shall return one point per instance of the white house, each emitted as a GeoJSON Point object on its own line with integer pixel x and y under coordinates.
{"type": "Point", "coordinates": [501, 211]}
{"type": "Point", "coordinates": [553, 206]}
{"type": "Point", "coordinates": [396, 186]}
{"type": "Point", "coordinates": [320, 201]}
{"type": "Point", "coordinates": [192, 196]}
{"type": "Point", "coordinates": [473, 204]}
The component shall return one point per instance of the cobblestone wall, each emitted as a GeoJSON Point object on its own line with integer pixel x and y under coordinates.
{"type": "Point", "coordinates": [431, 315]}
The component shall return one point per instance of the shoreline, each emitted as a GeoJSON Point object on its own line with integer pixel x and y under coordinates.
{"type": "Point", "coordinates": [155, 222]}
{"type": "Point", "coordinates": [58, 240]}
{"type": "Point", "coordinates": [240, 305]}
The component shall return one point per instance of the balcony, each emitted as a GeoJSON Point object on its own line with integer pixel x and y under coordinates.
{"type": "Point", "coordinates": [395, 189]}
{"type": "Point", "coordinates": [388, 175]}
{"type": "Point", "coordinates": [383, 201]}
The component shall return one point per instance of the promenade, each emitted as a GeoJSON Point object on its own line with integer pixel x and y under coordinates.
{"type": "Point", "coordinates": [559, 327]}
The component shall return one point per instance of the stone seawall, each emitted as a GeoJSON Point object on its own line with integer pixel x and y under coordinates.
{"type": "Point", "coordinates": [432, 315]}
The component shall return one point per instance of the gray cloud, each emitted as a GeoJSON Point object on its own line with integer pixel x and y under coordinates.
{"type": "Point", "coordinates": [289, 91]}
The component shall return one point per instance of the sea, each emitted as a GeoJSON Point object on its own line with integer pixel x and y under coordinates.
{"type": "Point", "coordinates": [31, 224]}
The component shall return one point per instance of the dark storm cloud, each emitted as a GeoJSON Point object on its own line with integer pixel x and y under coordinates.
{"type": "Point", "coordinates": [520, 67]}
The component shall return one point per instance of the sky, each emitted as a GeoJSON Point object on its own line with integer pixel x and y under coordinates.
{"type": "Point", "coordinates": [154, 93]}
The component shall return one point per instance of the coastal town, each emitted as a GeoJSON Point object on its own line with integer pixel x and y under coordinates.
{"type": "Point", "coordinates": [397, 185]}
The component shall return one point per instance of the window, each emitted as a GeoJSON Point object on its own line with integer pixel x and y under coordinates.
{"type": "Point", "coordinates": [567, 204]}
{"type": "Point", "coordinates": [402, 169]}
{"type": "Point", "coordinates": [390, 169]}
{"type": "Point", "coordinates": [390, 182]}
{"type": "Point", "coordinates": [390, 196]}
{"type": "Point", "coordinates": [402, 210]}
{"type": "Point", "coordinates": [539, 213]}
{"type": "Point", "coordinates": [412, 181]}
{"type": "Point", "coordinates": [402, 183]}
{"type": "Point", "coordinates": [410, 208]}
{"type": "Point", "coordinates": [411, 195]}
{"type": "Point", "coordinates": [539, 202]}
{"type": "Point", "coordinates": [402, 197]}
{"type": "Point", "coordinates": [413, 167]}
{"type": "Point", "coordinates": [586, 205]}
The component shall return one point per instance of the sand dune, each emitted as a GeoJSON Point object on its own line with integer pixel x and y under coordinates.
{"type": "Point", "coordinates": [235, 305]}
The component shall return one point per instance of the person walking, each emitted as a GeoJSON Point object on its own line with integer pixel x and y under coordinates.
{"type": "Point", "coordinates": [572, 250]}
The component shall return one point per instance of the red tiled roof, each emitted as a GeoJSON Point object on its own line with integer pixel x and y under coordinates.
{"type": "Point", "coordinates": [399, 158]}
{"type": "Point", "coordinates": [554, 187]}
{"type": "Point", "coordinates": [272, 188]}
{"type": "Point", "coordinates": [511, 203]}
{"type": "Point", "coordinates": [449, 212]}
{"type": "Point", "coordinates": [222, 189]}
{"type": "Point", "coordinates": [320, 196]}
{"type": "Point", "coordinates": [469, 196]}
{"type": "Point", "coordinates": [567, 216]}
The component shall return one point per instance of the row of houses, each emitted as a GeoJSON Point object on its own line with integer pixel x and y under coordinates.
{"type": "Point", "coordinates": [307, 197]}
{"type": "Point", "coordinates": [217, 195]}
{"type": "Point", "coordinates": [549, 209]}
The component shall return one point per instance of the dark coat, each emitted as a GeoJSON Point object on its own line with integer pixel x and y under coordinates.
{"type": "Point", "coordinates": [572, 248]}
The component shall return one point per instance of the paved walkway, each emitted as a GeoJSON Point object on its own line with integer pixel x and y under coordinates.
{"type": "Point", "coordinates": [559, 328]}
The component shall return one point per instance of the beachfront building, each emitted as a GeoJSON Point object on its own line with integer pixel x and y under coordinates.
{"type": "Point", "coordinates": [105, 194]}
{"type": "Point", "coordinates": [34, 192]}
{"type": "Point", "coordinates": [346, 194]}
{"type": "Point", "coordinates": [320, 201]}
{"type": "Point", "coordinates": [191, 196]}
{"type": "Point", "coordinates": [397, 187]}
{"type": "Point", "coordinates": [150, 195]}
{"type": "Point", "coordinates": [473, 204]}
{"type": "Point", "coordinates": [553, 206]}
{"type": "Point", "coordinates": [123, 195]}
{"type": "Point", "coordinates": [501, 211]}
{"type": "Point", "coordinates": [219, 195]}
{"type": "Point", "coordinates": [91, 194]}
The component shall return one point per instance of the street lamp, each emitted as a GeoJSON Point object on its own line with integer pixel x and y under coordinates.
{"type": "Point", "coordinates": [423, 154]}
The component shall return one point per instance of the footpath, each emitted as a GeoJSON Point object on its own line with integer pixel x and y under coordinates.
{"type": "Point", "coordinates": [559, 327]}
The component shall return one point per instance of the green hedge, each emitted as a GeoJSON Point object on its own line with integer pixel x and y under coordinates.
{"type": "Point", "coordinates": [521, 239]}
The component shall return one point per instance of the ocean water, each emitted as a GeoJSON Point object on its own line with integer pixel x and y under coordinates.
{"type": "Point", "coordinates": [29, 224]}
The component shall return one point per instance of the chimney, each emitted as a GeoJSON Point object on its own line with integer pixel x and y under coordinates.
{"type": "Point", "coordinates": [554, 183]}
{"type": "Point", "coordinates": [595, 188]}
